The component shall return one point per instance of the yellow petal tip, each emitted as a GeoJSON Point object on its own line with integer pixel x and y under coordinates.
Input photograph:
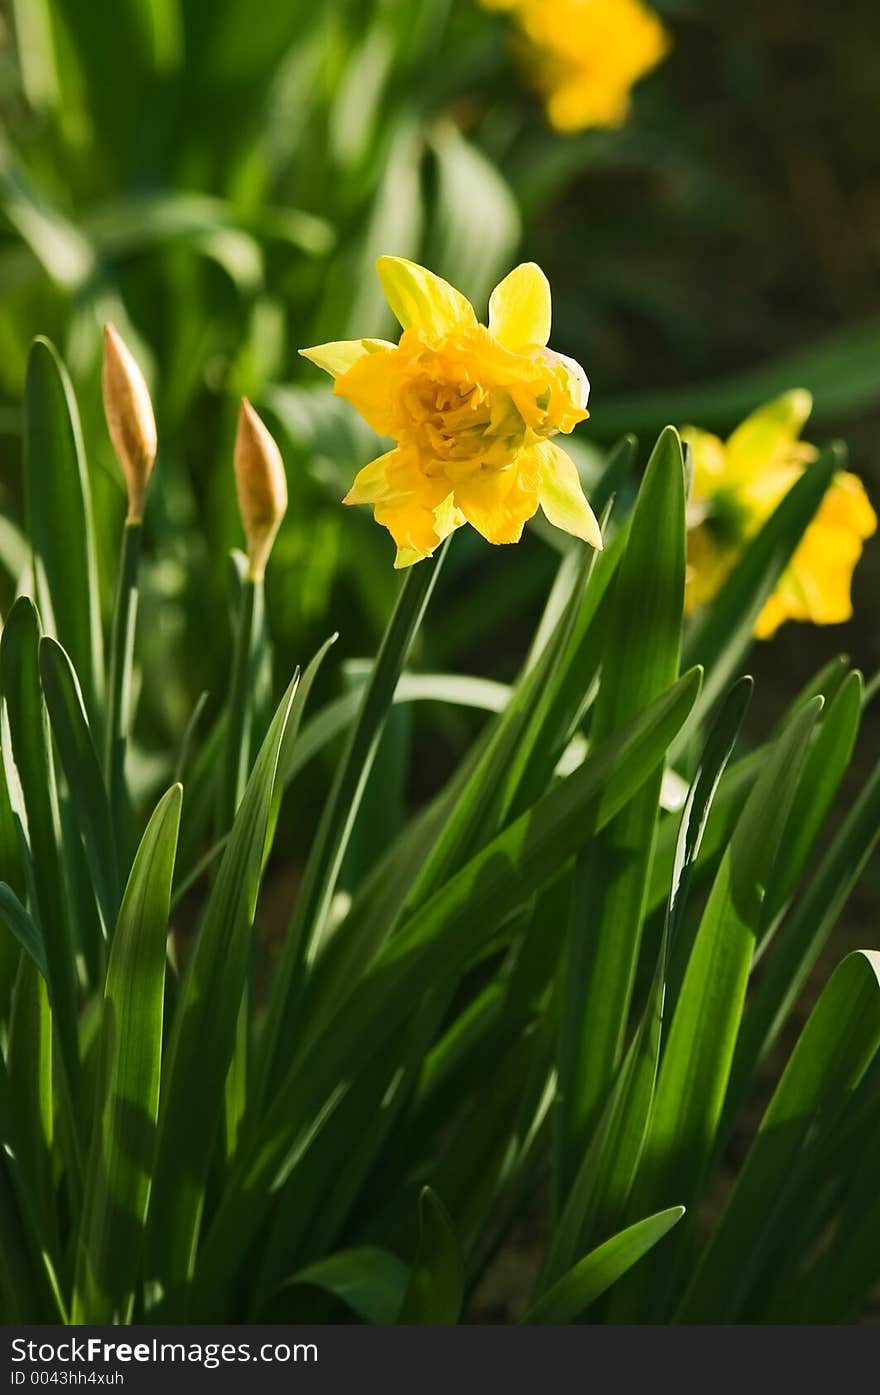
{"type": "Point", "coordinates": [407, 557]}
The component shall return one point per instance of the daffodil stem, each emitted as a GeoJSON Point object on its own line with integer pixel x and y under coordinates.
{"type": "Point", "coordinates": [248, 640]}
{"type": "Point", "coordinates": [338, 819]}
{"type": "Point", "coordinates": [119, 680]}
{"type": "Point", "coordinates": [239, 712]}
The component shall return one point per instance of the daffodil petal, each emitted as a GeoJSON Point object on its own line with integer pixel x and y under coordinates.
{"type": "Point", "coordinates": [337, 357]}
{"type": "Point", "coordinates": [577, 383]}
{"type": "Point", "coordinates": [371, 484]}
{"type": "Point", "coordinates": [772, 616]}
{"type": "Point", "coordinates": [369, 385]}
{"type": "Point", "coordinates": [409, 507]}
{"type": "Point", "coordinates": [816, 585]}
{"type": "Point", "coordinates": [498, 503]}
{"type": "Point", "coordinates": [421, 300]}
{"type": "Point", "coordinates": [708, 462]}
{"type": "Point", "coordinates": [757, 443]}
{"type": "Point", "coordinates": [407, 557]}
{"type": "Point", "coordinates": [447, 517]}
{"type": "Point", "coordinates": [519, 308]}
{"type": "Point", "coordinates": [847, 505]}
{"type": "Point", "coordinates": [584, 58]}
{"type": "Point", "coordinates": [562, 497]}
{"type": "Point", "coordinates": [709, 563]}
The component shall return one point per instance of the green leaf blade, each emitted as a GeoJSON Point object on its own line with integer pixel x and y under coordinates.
{"type": "Point", "coordinates": [696, 1064]}
{"type": "Point", "coordinates": [799, 942]}
{"type": "Point", "coordinates": [22, 926]}
{"type": "Point", "coordinates": [59, 518]}
{"type": "Point", "coordinates": [640, 660]}
{"type": "Point", "coordinates": [597, 1201]}
{"type": "Point", "coordinates": [79, 759]}
{"type": "Point", "coordinates": [570, 1297]}
{"type": "Point", "coordinates": [841, 1037]}
{"type": "Point", "coordinates": [30, 773]}
{"type": "Point", "coordinates": [436, 1288]}
{"type": "Point", "coordinates": [430, 948]}
{"type": "Point", "coordinates": [208, 1007]}
{"type": "Point", "coordinates": [122, 1152]}
{"type": "Point", "coordinates": [370, 1281]}
{"type": "Point", "coordinates": [823, 771]}
{"type": "Point", "coordinates": [338, 817]}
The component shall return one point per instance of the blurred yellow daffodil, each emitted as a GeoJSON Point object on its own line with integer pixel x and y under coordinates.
{"type": "Point", "coordinates": [584, 56]}
{"type": "Point", "coordinates": [472, 410]}
{"type": "Point", "coordinates": [738, 483]}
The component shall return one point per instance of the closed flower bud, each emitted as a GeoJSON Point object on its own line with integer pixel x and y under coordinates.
{"type": "Point", "coordinates": [261, 485]}
{"type": "Point", "coordinates": [130, 420]}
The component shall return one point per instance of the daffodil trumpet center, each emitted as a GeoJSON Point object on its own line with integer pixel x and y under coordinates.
{"type": "Point", "coordinates": [462, 403]}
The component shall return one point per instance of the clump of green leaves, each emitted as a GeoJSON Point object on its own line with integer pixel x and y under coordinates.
{"type": "Point", "coordinates": [544, 983]}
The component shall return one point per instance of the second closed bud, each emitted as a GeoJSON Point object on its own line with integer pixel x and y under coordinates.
{"type": "Point", "coordinates": [261, 485]}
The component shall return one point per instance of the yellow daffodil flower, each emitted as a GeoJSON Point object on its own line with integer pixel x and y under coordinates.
{"type": "Point", "coordinates": [472, 410]}
{"type": "Point", "coordinates": [738, 483]}
{"type": "Point", "coordinates": [584, 56]}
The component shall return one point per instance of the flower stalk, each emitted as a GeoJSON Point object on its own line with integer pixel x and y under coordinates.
{"type": "Point", "coordinates": [132, 427]}
{"type": "Point", "coordinates": [261, 487]}
{"type": "Point", "coordinates": [121, 661]}
{"type": "Point", "coordinates": [248, 642]}
{"type": "Point", "coordinates": [248, 645]}
{"type": "Point", "coordinates": [332, 838]}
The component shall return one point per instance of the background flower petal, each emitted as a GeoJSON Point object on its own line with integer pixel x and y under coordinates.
{"type": "Point", "coordinates": [760, 441]}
